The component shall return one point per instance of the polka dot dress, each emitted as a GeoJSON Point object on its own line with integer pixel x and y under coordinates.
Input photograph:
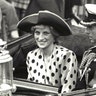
{"type": "Point", "coordinates": [59, 70]}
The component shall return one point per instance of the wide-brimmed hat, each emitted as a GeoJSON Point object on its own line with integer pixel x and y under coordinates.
{"type": "Point", "coordinates": [47, 18]}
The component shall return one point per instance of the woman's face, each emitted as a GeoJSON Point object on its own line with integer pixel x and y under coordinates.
{"type": "Point", "coordinates": [43, 36]}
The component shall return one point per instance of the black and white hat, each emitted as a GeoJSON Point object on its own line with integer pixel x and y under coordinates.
{"type": "Point", "coordinates": [47, 18]}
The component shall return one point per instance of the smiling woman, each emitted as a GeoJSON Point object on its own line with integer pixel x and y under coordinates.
{"type": "Point", "coordinates": [50, 63]}
{"type": "Point", "coordinates": [43, 37]}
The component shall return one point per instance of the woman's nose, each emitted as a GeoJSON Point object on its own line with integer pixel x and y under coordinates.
{"type": "Point", "coordinates": [41, 37]}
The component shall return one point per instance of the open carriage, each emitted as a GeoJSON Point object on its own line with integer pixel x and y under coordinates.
{"type": "Point", "coordinates": [20, 47]}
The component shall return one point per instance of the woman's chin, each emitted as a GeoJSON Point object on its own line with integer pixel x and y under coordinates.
{"type": "Point", "coordinates": [42, 46]}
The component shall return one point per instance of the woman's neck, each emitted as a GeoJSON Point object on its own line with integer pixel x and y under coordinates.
{"type": "Point", "coordinates": [48, 51]}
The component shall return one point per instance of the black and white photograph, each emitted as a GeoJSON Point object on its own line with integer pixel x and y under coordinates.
{"type": "Point", "coordinates": [47, 47]}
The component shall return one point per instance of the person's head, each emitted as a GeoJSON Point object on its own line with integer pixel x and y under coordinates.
{"type": "Point", "coordinates": [44, 35]}
{"type": "Point", "coordinates": [45, 22]}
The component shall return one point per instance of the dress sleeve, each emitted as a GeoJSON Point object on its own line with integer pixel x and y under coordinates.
{"type": "Point", "coordinates": [28, 65]}
{"type": "Point", "coordinates": [69, 72]}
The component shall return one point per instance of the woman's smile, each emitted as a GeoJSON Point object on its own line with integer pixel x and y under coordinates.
{"type": "Point", "coordinates": [41, 42]}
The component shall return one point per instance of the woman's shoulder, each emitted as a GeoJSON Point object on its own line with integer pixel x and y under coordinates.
{"type": "Point", "coordinates": [63, 49]}
{"type": "Point", "coordinates": [32, 52]}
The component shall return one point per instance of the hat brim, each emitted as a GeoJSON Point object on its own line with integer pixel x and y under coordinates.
{"type": "Point", "coordinates": [46, 18]}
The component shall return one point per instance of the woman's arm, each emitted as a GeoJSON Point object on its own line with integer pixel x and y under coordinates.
{"type": "Point", "coordinates": [69, 80]}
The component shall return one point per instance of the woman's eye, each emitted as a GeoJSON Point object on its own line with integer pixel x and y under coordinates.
{"type": "Point", "coordinates": [37, 32]}
{"type": "Point", "coordinates": [46, 33]}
